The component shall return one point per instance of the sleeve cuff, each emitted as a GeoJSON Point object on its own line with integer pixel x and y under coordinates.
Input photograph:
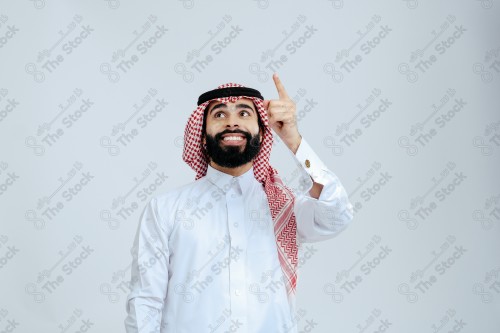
{"type": "Point", "coordinates": [311, 163]}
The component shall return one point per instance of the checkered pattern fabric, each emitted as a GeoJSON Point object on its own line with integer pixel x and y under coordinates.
{"type": "Point", "coordinates": [280, 198]}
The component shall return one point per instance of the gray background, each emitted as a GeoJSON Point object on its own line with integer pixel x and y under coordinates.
{"type": "Point", "coordinates": [44, 82]}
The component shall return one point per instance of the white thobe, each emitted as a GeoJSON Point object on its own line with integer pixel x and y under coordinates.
{"type": "Point", "coordinates": [205, 256]}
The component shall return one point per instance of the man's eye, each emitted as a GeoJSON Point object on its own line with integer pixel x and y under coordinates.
{"type": "Point", "coordinates": [218, 114]}
{"type": "Point", "coordinates": [245, 113]}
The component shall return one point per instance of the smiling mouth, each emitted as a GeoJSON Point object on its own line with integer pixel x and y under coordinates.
{"type": "Point", "coordinates": [233, 138]}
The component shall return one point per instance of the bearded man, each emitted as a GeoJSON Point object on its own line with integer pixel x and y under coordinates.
{"type": "Point", "coordinates": [221, 253]}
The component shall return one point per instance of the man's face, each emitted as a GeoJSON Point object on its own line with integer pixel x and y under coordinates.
{"type": "Point", "coordinates": [232, 132]}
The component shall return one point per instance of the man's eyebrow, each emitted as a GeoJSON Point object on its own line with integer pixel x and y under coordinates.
{"type": "Point", "coordinates": [240, 106]}
{"type": "Point", "coordinates": [217, 106]}
{"type": "Point", "coordinates": [244, 106]}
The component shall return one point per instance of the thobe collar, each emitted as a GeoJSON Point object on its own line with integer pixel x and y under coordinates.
{"type": "Point", "coordinates": [224, 181]}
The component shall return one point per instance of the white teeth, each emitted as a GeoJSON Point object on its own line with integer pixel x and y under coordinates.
{"type": "Point", "coordinates": [233, 138]}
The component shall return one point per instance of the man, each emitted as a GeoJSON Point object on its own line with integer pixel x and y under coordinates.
{"type": "Point", "coordinates": [220, 254]}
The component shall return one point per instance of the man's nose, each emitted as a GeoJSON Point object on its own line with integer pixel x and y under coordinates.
{"type": "Point", "coordinates": [232, 120]}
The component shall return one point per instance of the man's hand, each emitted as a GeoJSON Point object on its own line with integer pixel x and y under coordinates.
{"type": "Point", "coordinates": [282, 116]}
{"type": "Point", "coordinates": [283, 120]}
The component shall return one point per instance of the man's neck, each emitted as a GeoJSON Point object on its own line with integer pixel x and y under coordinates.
{"type": "Point", "coordinates": [235, 172]}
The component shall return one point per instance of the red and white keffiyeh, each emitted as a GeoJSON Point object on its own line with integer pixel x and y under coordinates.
{"type": "Point", "coordinates": [280, 198]}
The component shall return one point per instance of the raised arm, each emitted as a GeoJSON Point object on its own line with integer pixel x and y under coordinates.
{"type": "Point", "coordinates": [324, 210]}
{"type": "Point", "coordinates": [327, 215]}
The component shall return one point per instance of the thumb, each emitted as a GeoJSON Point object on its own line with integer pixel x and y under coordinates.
{"type": "Point", "coordinates": [266, 103]}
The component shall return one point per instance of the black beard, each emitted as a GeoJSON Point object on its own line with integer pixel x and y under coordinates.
{"type": "Point", "coordinates": [231, 156]}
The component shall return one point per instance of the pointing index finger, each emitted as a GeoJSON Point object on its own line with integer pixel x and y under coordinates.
{"type": "Point", "coordinates": [279, 86]}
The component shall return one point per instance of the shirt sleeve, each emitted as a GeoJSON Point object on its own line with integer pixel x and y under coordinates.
{"type": "Point", "coordinates": [149, 273]}
{"type": "Point", "coordinates": [325, 217]}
